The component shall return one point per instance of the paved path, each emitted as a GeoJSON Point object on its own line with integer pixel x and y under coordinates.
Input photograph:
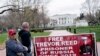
{"type": "Point", "coordinates": [55, 33]}
{"type": "Point", "coordinates": [3, 52]}
{"type": "Point", "coordinates": [60, 33]}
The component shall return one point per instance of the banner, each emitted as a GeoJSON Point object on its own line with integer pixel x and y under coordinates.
{"type": "Point", "coordinates": [72, 45]}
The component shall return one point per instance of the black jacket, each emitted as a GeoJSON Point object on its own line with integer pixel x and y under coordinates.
{"type": "Point", "coordinates": [25, 39]}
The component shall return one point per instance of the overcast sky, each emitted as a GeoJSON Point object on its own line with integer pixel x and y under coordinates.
{"type": "Point", "coordinates": [64, 6]}
{"type": "Point", "coordinates": [60, 6]}
{"type": "Point", "coordinates": [2, 2]}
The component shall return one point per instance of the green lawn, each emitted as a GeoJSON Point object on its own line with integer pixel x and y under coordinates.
{"type": "Point", "coordinates": [40, 34]}
{"type": "Point", "coordinates": [3, 36]}
{"type": "Point", "coordinates": [88, 30]}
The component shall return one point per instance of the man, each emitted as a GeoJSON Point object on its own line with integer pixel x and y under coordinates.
{"type": "Point", "coordinates": [13, 47]}
{"type": "Point", "coordinates": [25, 37]}
{"type": "Point", "coordinates": [85, 48]}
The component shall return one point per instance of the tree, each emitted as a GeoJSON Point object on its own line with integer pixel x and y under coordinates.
{"type": "Point", "coordinates": [89, 8]}
{"type": "Point", "coordinates": [26, 10]}
{"type": "Point", "coordinates": [81, 16]}
{"type": "Point", "coordinates": [98, 16]}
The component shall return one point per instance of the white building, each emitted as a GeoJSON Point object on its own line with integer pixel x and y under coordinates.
{"type": "Point", "coordinates": [52, 23]}
{"type": "Point", "coordinates": [81, 23]}
{"type": "Point", "coordinates": [63, 20]}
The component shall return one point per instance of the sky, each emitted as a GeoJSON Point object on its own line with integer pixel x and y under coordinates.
{"type": "Point", "coordinates": [64, 7]}
{"type": "Point", "coordinates": [60, 6]}
{"type": "Point", "coordinates": [3, 3]}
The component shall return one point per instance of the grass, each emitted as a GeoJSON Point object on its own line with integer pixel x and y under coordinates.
{"type": "Point", "coordinates": [88, 30]}
{"type": "Point", "coordinates": [3, 36]}
{"type": "Point", "coordinates": [40, 34]}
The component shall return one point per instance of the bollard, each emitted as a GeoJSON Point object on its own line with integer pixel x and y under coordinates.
{"type": "Point", "coordinates": [67, 28]}
{"type": "Point", "coordinates": [70, 29]}
{"type": "Point", "coordinates": [75, 31]}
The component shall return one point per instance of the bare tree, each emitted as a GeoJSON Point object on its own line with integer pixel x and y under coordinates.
{"type": "Point", "coordinates": [98, 16]}
{"type": "Point", "coordinates": [89, 8]}
{"type": "Point", "coordinates": [26, 10]}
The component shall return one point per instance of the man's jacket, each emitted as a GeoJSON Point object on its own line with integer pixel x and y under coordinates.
{"type": "Point", "coordinates": [13, 47]}
{"type": "Point", "coordinates": [25, 39]}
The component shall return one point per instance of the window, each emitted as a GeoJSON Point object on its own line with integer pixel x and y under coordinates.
{"type": "Point", "coordinates": [59, 19]}
{"type": "Point", "coordinates": [68, 21]}
{"type": "Point", "coordinates": [65, 19]}
{"type": "Point", "coordinates": [59, 22]}
{"type": "Point", "coordinates": [65, 22]}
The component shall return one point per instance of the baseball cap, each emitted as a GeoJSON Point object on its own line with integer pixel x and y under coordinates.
{"type": "Point", "coordinates": [11, 32]}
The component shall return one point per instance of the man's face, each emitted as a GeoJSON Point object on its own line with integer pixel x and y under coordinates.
{"type": "Point", "coordinates": [26, 26]}
{"type": "Point", "coordinates": [13, 37]}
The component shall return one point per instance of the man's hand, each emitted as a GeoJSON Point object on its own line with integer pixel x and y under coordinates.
{"type": "Point", "coordinates": [20, 54]}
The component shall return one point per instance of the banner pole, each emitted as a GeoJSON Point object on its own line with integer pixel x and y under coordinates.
{"type": "Point", "coordinates": [96, 51]}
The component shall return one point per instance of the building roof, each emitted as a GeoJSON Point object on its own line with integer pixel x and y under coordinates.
{"type": "Point", "coordinates": [64, 15]}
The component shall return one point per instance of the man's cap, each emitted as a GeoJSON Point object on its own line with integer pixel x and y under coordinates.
{"type": "Point", "coordinates": [11, 32]}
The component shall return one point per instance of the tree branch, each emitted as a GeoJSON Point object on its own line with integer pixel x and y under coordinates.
{"type": "Point", "coordinates": [6, 10]}
{"type": "Point", "coordinates": [10, 9]}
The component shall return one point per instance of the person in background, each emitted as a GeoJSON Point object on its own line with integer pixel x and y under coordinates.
{"type": "Point", "coordinates": [0, 31]}
{"type": "Point", "coordinates": [25, 37]}
{"type": "Point", "coordinates": [13, 47]}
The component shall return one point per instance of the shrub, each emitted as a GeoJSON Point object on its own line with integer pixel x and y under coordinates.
{"type": "Point", "coordinates": [37, 30]}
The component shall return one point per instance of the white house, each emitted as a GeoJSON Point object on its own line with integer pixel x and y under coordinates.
{"type": "Point", "coordinates": [63, 20]}
{"type": "Point", "coordinates": [52, 23]}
